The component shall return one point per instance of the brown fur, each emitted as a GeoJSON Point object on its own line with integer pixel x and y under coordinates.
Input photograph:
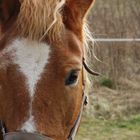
{"type": "Point", "coordinates": [74, 15]}
{"type": "Point", "coordinates": [8, 13]}
{"type": "Point", "coordinates": [12, 109]}
{"type": "Point", "coordinates": [55, 106]}
{"type": "Point", "coordinates": [62, 106]}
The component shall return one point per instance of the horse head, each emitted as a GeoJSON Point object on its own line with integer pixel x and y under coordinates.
{"type": "Point", "coordinates": [41, 65]}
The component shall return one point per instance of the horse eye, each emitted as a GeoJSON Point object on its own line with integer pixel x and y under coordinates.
{"type": "Point", "coordinates": [72, 77]}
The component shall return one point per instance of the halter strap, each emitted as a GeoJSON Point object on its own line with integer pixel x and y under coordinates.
{"type": "Point", "coordinates": [2, 130]}
{"type": "Point", "coordinates": [77, 123]}
{"type": "Point", "coordinates": [84, 101]}
{"type": "Point", "coordinates": [2, 127]}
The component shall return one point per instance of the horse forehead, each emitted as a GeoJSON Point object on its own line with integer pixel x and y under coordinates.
{"type": "Point", "coordinates": [31, 58]}
{"type": "Point", "coordinates": [69, 47]}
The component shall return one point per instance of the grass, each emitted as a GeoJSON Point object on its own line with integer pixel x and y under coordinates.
{"type": "Point", "coordinates": [99, 129]}
{"type": "Point", "coordinates": [106, 82]}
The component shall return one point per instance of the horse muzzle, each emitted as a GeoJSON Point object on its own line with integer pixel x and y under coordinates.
{"type": "Point", "coordinates": [21, 135]}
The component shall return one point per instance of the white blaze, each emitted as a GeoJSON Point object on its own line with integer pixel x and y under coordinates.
{"type": "Point", "coordinates": [31, 57]}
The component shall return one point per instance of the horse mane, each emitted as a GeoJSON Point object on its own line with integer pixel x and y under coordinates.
{"type": "Point", "coordinates": [88, 39]}
{"type": "Point", "coordinates": [36, 20]}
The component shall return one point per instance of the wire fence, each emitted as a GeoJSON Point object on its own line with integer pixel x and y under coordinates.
{"type": "Point", "coordinates": [117, 39]}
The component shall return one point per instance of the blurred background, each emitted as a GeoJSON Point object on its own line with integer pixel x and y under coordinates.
{"type": "Point", "coordinates": [113, 112]}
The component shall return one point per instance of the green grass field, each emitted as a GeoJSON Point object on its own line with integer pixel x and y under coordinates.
{"type": "Point", "coordinates": [99, 129]}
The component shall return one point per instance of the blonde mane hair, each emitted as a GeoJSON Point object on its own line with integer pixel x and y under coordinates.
{"type": "Point", "coordinates": [36, 20]}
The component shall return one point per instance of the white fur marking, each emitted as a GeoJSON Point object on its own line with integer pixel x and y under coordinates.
{"type": "Point", "coordinates": [31, 57]}
{"type": "Point", "coordinates": [29, 125]}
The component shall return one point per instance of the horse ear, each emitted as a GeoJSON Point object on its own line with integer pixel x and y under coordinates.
{"type": "Point", "coordinates": [74, 13]}
{"type": "Point", "coordinates": [8, 11]}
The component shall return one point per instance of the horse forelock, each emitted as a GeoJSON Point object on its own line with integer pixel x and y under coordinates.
{"type": "Point", "coordinates": [40, 18]}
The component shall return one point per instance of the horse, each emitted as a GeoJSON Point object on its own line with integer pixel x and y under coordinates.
{"type": "Point", "coordinates": [42, 46]}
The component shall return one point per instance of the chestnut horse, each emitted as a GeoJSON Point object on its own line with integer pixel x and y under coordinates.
{"type": "Point", "coordinates": [42, 47]}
